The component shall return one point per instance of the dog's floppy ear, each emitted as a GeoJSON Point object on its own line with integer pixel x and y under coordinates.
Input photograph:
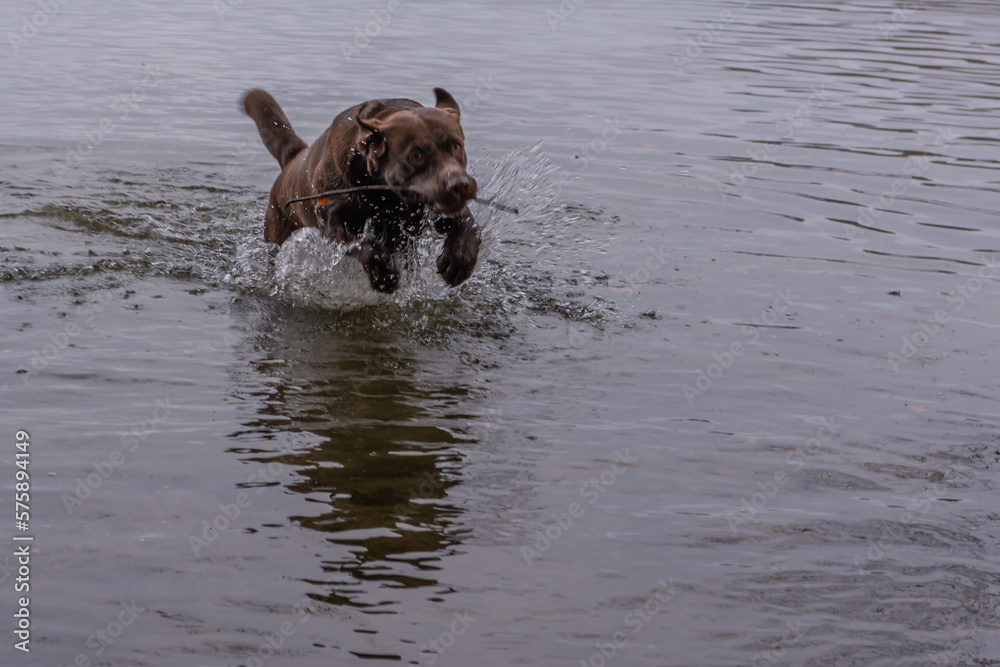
{"type": "Point", "coordinates": [372, 141]}
{"type": "Point", "coordinates": [446, 102]}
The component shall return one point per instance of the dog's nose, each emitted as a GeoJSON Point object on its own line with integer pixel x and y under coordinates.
{"type": "Point", "coordinates": [462, 187]}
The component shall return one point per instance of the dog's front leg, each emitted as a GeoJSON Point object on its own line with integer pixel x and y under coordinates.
{"type": "Point", "coordinates": [330, 217]}
{"type": "Point", "coordinates": [461, 247]}
{"type": "Point", "coordinates": [380, 265]}
{"type": "Point", "coordinates": [343, 224]}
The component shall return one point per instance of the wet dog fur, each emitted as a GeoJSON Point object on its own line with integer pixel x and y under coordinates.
{"type": "Point", "coordinates": [394, 142]}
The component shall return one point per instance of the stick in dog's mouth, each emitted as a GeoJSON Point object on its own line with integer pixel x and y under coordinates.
{"type": "Point", "coordinates": [399, 188]}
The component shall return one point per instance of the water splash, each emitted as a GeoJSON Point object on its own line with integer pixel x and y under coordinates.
{"type": "Point", "coordinates": [522, 260]}
{"type": "Point", "coordinates": [310, 269]}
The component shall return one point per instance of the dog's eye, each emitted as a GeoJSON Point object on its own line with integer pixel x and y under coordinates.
{"type": "Point", "coordinates": [457, 148]}
{"type": "Point", "coordinates": [417, 156]}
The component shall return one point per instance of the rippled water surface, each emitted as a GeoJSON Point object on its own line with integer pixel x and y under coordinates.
{"type": "Point", "coordinates": [723, 392]}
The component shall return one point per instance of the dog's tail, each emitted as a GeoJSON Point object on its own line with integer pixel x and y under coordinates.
{"type": "Point", "coordinates": [272, 123]}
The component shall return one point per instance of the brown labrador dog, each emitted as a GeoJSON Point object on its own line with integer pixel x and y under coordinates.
{"type": "Point", "coordinates": [391, 142]}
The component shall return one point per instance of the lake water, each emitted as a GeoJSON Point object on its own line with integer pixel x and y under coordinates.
{"type": "Point", "coordinates": [720, 394]}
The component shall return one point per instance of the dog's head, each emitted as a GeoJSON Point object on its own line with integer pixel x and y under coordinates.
{"type": "Point", "coordinates": [421, 149]}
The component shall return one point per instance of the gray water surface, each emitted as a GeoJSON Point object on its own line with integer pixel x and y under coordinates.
{"type": "Point", "coordinates": [720, 394]}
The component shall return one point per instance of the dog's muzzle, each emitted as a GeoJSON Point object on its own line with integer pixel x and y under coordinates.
{"type": "Point", "coordinates": [458, 191]}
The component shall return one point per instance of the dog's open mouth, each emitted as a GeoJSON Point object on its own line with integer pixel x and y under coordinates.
{"type": "Point", "coordinates": [449, 208]}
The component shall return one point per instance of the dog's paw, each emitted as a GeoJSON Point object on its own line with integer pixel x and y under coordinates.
{"type": "Point", "coordinates": [459, 255]}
